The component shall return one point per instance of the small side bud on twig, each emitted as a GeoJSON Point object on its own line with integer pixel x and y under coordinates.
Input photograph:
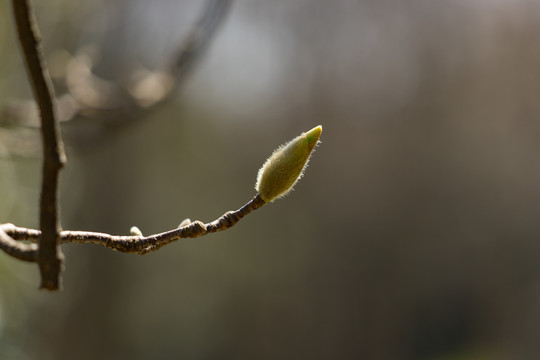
{"type": "Point", "coordinates": [286, 165]}
{"type": "Point", "coordinates": [135, 231]}
{"type": "Point", "coordinates": [184, 222]}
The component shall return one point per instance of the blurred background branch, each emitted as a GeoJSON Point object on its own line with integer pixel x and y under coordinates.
{"type": "Point", "coordinates": [118, 101]}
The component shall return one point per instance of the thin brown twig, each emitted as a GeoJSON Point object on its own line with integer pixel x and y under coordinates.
{"type": "Point", "coordinates": [127, 244]}
{"type": "Point", "coordinates": [49, 255]}
{"type": "Point", "coordinates": [18, 250]}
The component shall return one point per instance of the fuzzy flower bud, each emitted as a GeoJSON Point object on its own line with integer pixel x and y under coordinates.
{"type": "Point", "coordinates": [286, 165]}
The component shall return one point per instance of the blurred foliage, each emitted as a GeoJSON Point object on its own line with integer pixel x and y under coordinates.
{"type": "Point", "coordinates": [414, 234]}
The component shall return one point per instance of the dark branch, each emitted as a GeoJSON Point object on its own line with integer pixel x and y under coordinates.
{"type": "Point", "coordinates": [53, 152]}
{"type": "Point", "coordinates": [128, 244]}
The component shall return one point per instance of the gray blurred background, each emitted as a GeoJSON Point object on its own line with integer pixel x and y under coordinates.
{"type": "Point", "coordinates": [414, 234]}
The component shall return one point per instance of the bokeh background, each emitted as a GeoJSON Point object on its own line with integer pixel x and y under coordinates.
{"type": "Point", "coordinates": [415, 233]}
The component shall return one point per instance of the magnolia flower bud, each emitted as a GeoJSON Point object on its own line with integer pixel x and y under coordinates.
{"type": "Point", "coordinates": [286, 165]}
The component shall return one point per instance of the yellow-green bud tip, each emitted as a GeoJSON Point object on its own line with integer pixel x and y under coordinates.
{"type": "Point", "coordinates": [313, 136]}
{"type": "Point", "coordinates": [286, 165]}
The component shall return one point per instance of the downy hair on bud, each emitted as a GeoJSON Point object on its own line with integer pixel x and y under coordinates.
{"type": "Point", "coordinates": [286, 165]}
